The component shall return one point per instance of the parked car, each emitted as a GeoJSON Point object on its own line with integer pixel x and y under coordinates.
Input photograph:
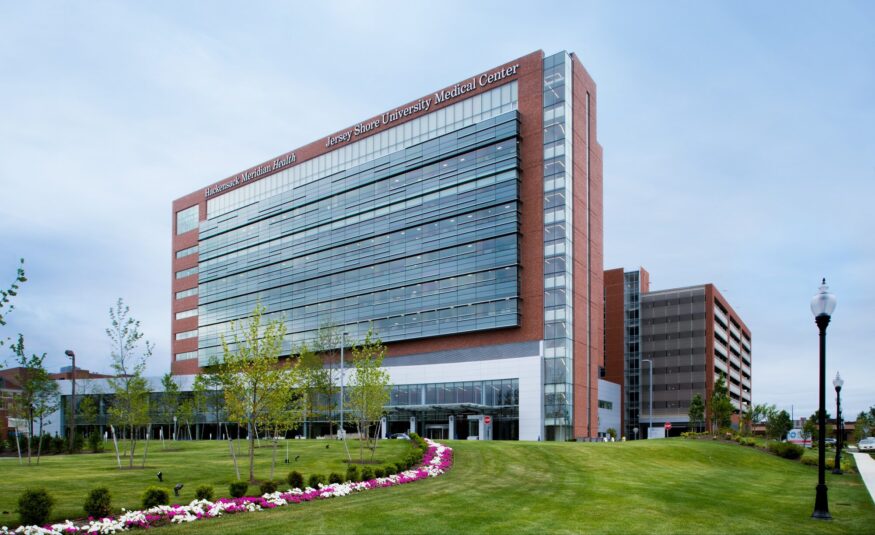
{"type": "Point", "coordinates": [867, 444]}
{"type": "Point", "coordinates": [830, 441]}
{"type": "Point", "coordinates": [400, 436]}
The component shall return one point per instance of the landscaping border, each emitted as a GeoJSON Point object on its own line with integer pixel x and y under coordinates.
{"type": "Point", "coordinates": [435, 461]}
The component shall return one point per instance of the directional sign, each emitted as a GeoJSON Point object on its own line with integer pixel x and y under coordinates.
{"type": "Point", "coordinates": [487, 419]}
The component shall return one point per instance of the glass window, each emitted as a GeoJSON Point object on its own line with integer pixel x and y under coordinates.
{"type": "Point", "coordinates": [188, 355]}
{"type": "Point", "coordinates": [186, 314]}
{"type": "Point", "coordinates": [186, 335]}
{"type": "Point", "coordinates": [186, 272]}
{"type": "Point", "coordinates": [187, 219]}
{"type": "Point", "coordinates": [185, 252]}
{"type": "Point", "coordinates": [186, 293]}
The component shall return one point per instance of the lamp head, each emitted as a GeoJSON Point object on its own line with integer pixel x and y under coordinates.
{"type": "Point", "coordinates": [70, 353]}
{"type": "Point", "coordinates": [823, 303]}
{"type": "Point", "coordinates": [838, 381]}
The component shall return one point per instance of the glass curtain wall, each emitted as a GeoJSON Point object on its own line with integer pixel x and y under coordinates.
{"type": "Point", "coordinates": [632, 349]}
{"type": "Point", "coordinates": [558, 326]}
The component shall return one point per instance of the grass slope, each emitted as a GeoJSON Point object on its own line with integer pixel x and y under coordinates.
{"type": "Point", "coordinates": [69, 477]}
{"type": "Point", "coordinates": [666, 486]}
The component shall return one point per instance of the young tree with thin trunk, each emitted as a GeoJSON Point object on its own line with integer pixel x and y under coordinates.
{"type": "Point", "coordinates": [260, 388]}
{"type": "Point", "coordinates": [314, 378]}
{"type": "Point", "coordinates": [130, 407]}
{"type": "Point", "coordinates": [327, 346]}
{"type": "Point", "coordinates": [697, 411]}
{"type": "Point", "coordinates": [208, 396]}
{"type": "Point", "coordinates": [6, 296]}
{"type": "Point", "coordinates": [368, 390]}
{"type": "Point", "coordinates": [721, 406]}
{"type": "Point", "coordinates": [38, 395]}
{"type": "Point", "coordinates": [169, 402]}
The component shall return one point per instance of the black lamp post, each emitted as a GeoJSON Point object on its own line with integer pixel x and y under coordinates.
{"type": "Point", "coordinates": [72, 356]}
{"type": "Point", "coordinates": [837, 383]}
{"type": "Point", "coordinates": [822, 306]}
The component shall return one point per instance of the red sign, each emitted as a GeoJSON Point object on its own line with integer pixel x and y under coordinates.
{"type": "Point", "coordinates": [668, 425]}
{"type": "Point", "coordinates": [487, 419]}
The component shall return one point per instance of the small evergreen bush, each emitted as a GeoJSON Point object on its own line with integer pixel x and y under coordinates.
{"type": "Point", "coordinates": [204, 492]}
{"type": "Point", "coordinates": [296, 480]}
{"type": "Point", "coordinates": [59, 445]}
{"type": "Point", "coordinates": [379, 472]}
{"type": "Point", "coordinates": [786, 450]}
{"type": "Point", "coordinates": [315, 480]}
{"type": "Point", "coordinates": [399, 467]}
{"type": "Point", "coordinates": [352, 473]}
{"type": "Point", "coordinates": [810, 461]}
{"type": "Point", "coordinates": [388, 470]}
{"type": "Point", "coordinates": [34, 506]}
{"type": "Point", "coordinates": [334, 477]}
{"type": "Point", "coordinates": [95, 442]}
{"type": "Point", "coordinates": [155, 496]}
{"type": "Point", "coordinates": [78, 443]}
{"type": "Point", "coordinates": [98, 504]}
{"type": "Point", "coordinates": [367, 473]}
{"type": "Point", "coordinates": [238, 489]}
{"type": "Point", "coordinates": [267, 487]}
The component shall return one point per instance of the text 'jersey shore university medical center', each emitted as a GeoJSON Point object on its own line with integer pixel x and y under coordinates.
{"type": "Point", "coordinates": [464, 227]}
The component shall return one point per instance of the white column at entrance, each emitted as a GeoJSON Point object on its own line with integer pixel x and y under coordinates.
{"type": "Point", "coordinates": [451, 433]}
{"type": "Point", "coordinates": [412, 424]}
{"type": "Point", "coordinates": [383, 427]}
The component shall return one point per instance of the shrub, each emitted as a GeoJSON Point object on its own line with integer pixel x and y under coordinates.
{"type": "Point", "coordinates": [367, 473]}
{"type": "Point", "coordinates": [388, 470]}
{"type": "Point", "coordinates": [786, 450]}
{"type": "Point", "coordinates": [267, 487]}
{"type": "Point", "coordinates": [34, 506]}
{"type": "Point", "coordinates": [296, 480]}
{"type": "Point", "coordinates": [98, 504]}
{"type": "Point", "coordinates": [59, 445]}
{"type": "Point", "coordinates": [78, 443]}
{"type": "Point", "coordinates": [334, 477]}
{"type": "Point", "coordinates": [95, 442]}
{"type": "Point", "coordinates": [379, 472]}
{"type": "Point", "coordinates": [810, 461]}
{"type": "Point", "coordinates": [399, 467]}
{"type": "Point", "coordinates": [352, 473]}
{"type": "Point", "coordinates": [315, 480]}
{"type": "Point", "coordinates": [238, 489]}
{"type": "Point", "coordinates": [155, 496]}
{"type": "Point", "coordinates": [204, 492]}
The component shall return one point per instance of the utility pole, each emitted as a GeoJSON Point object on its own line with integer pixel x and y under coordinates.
{"type": "Point", "coordinates": [72, 355]}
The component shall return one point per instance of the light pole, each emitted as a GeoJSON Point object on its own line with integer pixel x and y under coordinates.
{"type": "Point", "coordinates": [650, 396]}
{"type": "Point", "coordinates": [72, 355]}
{"type": "Point", "coordinates": [342, 344]}
{"type": "Point", "coordinates": [822, 306]}
{"type": "Point", "coordinates": [837, 383]}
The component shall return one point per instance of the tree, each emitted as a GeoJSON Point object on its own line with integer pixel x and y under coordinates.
{"type": "Point", "coordinates": [865, 424]}
{"type": "Point", "coordinates": [810, 428]}
{"type": "Point", "coordinates": [89, 410]}
{"type": "Point", "coordinates": [747, 421]}
{"type": "Point", "coordinates": [169, 402]}
{"type": "Point", "coordinates": [38, 396]}
{"type": "Point", "coordinates": [6, 295]}
{"type": "Point", "coordinates": [368, 390]}
{"type": "Point", "coordinates": [314, 378]}
{"type": "Point", "coordinates": [721, 406]}
{"type": "Point", "coordinates": [130, 407]}
{"type": "Point", "coordinates": [327, 344]}
{"type": "Point", "coordinates": [778, 425]}
{"type": "Point", "coordinates": [697, 411]}
{"type": "Point", "coordinates": [207, 393]}
{"type": "Point", "coordinates": [763, 412]}
{"type": "Point", "coordinates": [260, 389]}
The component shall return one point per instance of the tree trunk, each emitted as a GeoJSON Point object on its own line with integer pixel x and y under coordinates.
{"type": "Point", "coordinates": [39, 448]}
{"type": "Point", "coordinates": [273, 461]}
{"type": "Point", "coordinates": [146, 446]}
{"type": "Point", "coordinates": [133, 445]}
{"type": "Point", "coordinates": [251, 439]}
{"type": "Point", "coordinates": [30, 435]}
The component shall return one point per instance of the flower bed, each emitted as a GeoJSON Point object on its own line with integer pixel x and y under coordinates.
{"type": "Point", "coordinates": [436, 460]}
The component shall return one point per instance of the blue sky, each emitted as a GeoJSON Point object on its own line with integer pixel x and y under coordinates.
{"type": "Point", "coordinates": [739, 142]}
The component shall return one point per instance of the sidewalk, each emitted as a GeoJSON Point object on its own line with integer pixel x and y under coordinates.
{"type": "Point", "coordinates": [866, 467]}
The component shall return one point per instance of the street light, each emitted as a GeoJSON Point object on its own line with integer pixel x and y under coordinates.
{"type": "Point", "coordinates": [342, 344]}
{"type": "Point", "coordinates": [822, 306]}
{"type": "Point", "coordinates": [650, 396]}
{"type": "Point", "coordinates": [72, 355]}
{"type": "Point", "coordinates": [837, 383]}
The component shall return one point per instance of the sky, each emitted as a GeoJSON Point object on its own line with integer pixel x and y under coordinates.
{"type": "Point", "coordinates": [739, 145]}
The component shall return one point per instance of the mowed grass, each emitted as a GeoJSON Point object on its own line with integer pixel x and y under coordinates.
{"type": "Point", "coordinates": [665, 486]}
{"type": "Point", "coordinates": [69, 478]}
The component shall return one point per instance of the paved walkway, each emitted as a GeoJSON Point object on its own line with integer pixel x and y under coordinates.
{"type": "Point", "coordinates": [866, 467]}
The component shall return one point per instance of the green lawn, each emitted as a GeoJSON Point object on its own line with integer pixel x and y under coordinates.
{"type": "Point", "coordinates": [69, 477]}
{"type": "Point", "coordinates": [666, 486]}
